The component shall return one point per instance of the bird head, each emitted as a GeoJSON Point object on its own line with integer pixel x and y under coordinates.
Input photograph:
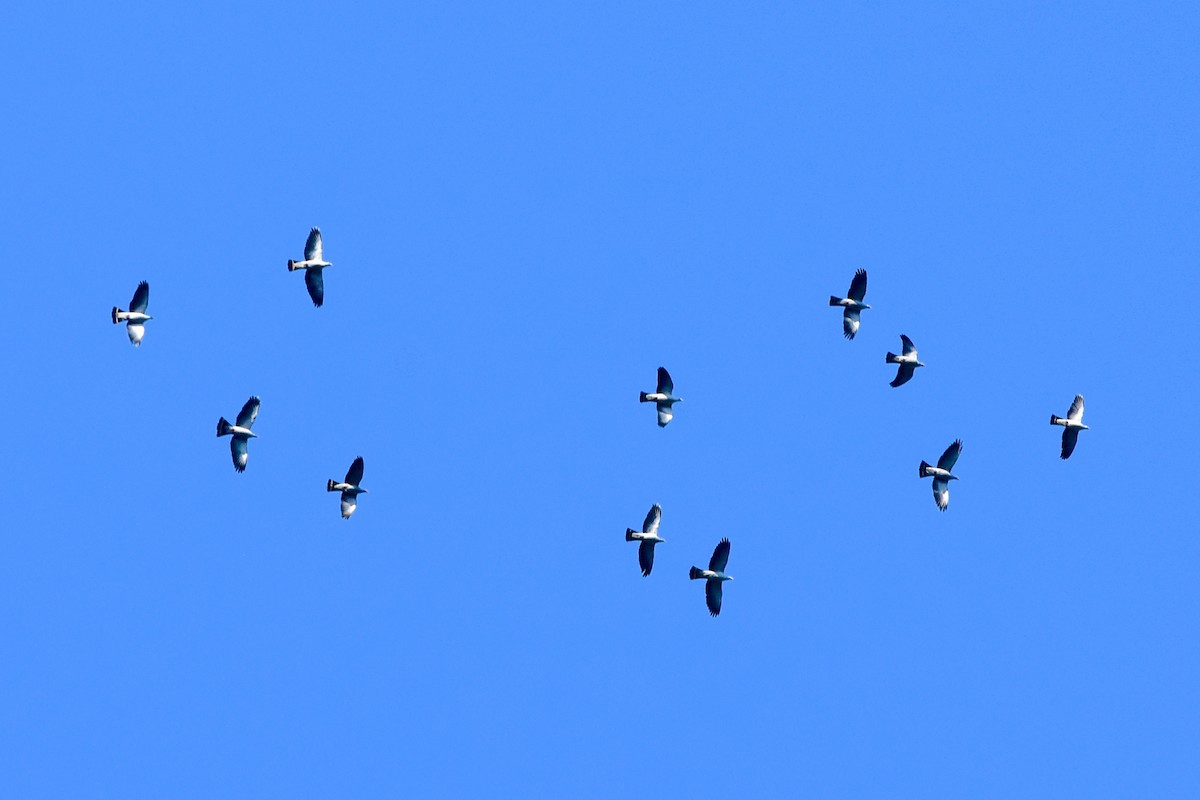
{"type": "Point", "coordinates": [952, 478]}
{"type": "Point", "coordinates": [919, 364]}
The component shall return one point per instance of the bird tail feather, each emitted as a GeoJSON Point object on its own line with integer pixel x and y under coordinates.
{"type": "Point", "coordinates": [642, 397]}
{"type": "Point", "coordinates": [329, 486]}
{"type": "Point", "coordinates": [835, 301]}
{"type": "Point", "coordinates": [695, 573]}
{"type": "Point", "coordinates": [222, 426]}
{"type": "Point", "coordinates": [892, 358]}
{"type": "Point", "coordinates": [924, 469]}
{"type": "Point", "coordinates": [115, 312]}
{"type": "Point", "coordinates": [1055, 420]}
{"type": "Point", "coordinates": [291, 265]}
{"type": "Point", "coordinates": [629, 534]}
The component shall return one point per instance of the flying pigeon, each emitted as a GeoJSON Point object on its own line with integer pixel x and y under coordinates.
{"type": "Point", "coordinates": [349, 488]}
{"type": "Point", "coordinates": [852, 304]}
{"type": "Point", "coordinates": [1072, 425]}
{"type": "Point", "coordinates": [135, 318]}
{"type": "Point", "coordinates": [648, 538]}
{"type": "Point", "coordinates": [714, 576]}
{"type": "Point", "coordinates": [313, 264]}
{"type": "Point", "coordinates": [240, 432]}
{"type": "Point", "coordinates": [907, 360]}
{"type": "Point", "coordinates": [941, 474]}
{"type": "Point", "coordinates": [662, 397]}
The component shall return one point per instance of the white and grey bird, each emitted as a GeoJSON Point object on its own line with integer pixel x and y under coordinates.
{"type": "Point", "coordinates": [648, 538]}
{"type": "Point", "coordinates": [941, 474]}
{"type": "Point", "coordinates": [714, 576]}
{"type": "Point", "coordinates": [240, 432]}
{"type": "Point", "coordinates": [907, 360]}
{"type": "Point", "coordinates": [349, 488]}
{"type": "Point", "coordinates": [663, 397]}
{"type": "Point", "coordinates": [1072, 425]}
{"type": "Point", "coordinates": [135, 318]}
{"type": "Point", "coordinates": [313, 265]}
{"type": "Point", "coordinates": [852, 304]}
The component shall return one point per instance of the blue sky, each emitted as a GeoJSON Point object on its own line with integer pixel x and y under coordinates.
{"type": "Point", "coordinates": [529, 210]}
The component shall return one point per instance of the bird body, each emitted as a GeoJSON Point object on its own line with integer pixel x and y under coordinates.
{"type": "Point", "coordinates": [942, 474]}
{"type": "Point", "coordinates": [714, 576]}
{"type": "Point", "coordinates": [648, 536]}
{"type": "Point", "coordinates": [852, 303]}
{"type": "Point", "coordinates": [1072, 425]}
{"type": "Point", "coordinates": [907, 360]}
{"type": "Point", "coordinates": [349, 488]}
{"type": "Point", "coordinates": [663, 398]}
{"type": "Point", "coordinates": [313, 265]}
{"type": "Point", "coordinates": [135, 318]}
{"type": "Point", "coordinates": [241, 433]}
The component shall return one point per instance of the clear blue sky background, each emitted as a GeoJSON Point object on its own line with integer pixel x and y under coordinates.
{"type": "Point", "coordinates": [529, 210]}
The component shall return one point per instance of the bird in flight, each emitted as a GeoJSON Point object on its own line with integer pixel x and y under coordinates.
{"type": "Point", "coordinates": [349, 488]}
{"type": "Point", "coordinates": [135, 318]}
{"type": "Point", "coordinates": [313, 264]}
{"type": "Point", "coordinates": [1072, 425]}
{"type": "Point", "coordinates": [662, 397]}
{"type": "Point", "coordinates": [240, 432]}
{"type": "Point", "coordinates": [714, 576]}
{"type": "Point", "coordinates": [941, 474]}
{"type": "Point", "coordinates": [852, 304]}
{"type": "Point", "coordinates": [907, 360]}
{"type": "Point", "coordinates": [648, 538]}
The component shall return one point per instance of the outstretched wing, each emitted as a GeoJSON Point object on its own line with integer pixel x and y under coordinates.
{"type": "Point", "coordinates": [712, 596]}
{"type": "Point", "coordinates": [950, 457]}
{"type": "Point", "coordinates": [850, 322]}
{"type": "Point", "coordinates": [665, 384]}
{"type": "Point", "coordinates": [355, 473]}
{"type": "Point", "coordinates": [1070, 437]}
{"type": "Point", "coordinates": [349, 503]}
{"type": "Point", "coordinates": [241, 452]}
{"type": "Point", "coordinates": [858, 286]}
{"type": "Point", "coordinates": [720, 556]}
{"type": "Point", "coordinates": [909, 348]}
{"type": "Point", "coordinates": [141, 298]}
{"type": "Point", "coordinates": [651, 524]}
{"type": "Point", "coordinates": [1076, 412]}
{"type": "Point", "coordinates": [312, 248]}
{"type": "Point", "coordinates": [903, 374]}
{"type": "Point", "coordinates": [136, 331]}
{"type": "Point", "coordinates": [646, 557]}
{"type": "Point", "coordinates": [249, 413]}
{"type": "Point", "coordinates": [941, 493]}
{"type": "Point", "coordinates": [665, 414]}
{"type": "Point", "coordinates": [316, 285]}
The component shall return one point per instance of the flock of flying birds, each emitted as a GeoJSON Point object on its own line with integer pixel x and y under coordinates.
{"type": "Point", "coordinates": [852, 306]}
{"type": "Point", "coordinates": [663, 397]}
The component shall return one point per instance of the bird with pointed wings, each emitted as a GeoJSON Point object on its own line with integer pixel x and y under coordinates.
{"type": "Point", "coordinates": [313, 265]}
{"type": "Point", "coordinates": [942, 475]}
{"type": "Point", "coordinates": [852, 304]}
{"type": "Point", "coordinates": [349, 488]}
{"type": "Point", "coordinates": [648, 537]}
{"type": "Point", "coordinates": [1072, 425]}
{"type": "Point", "coordinates": [714, 576]}
{"type": "Point", "coordinates": [241, 433]}
{"type": "Point", "coordinates": [135, 318]}
{"type": "Point", "coordinates": [907, 360]}
{"type": "Point", "coordinates": [663, 397]}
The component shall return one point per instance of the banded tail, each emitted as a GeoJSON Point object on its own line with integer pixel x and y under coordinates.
{"type": "Point", "coordinates": [835, 301]}
{"type": "Point", "coordinates": [291, 265]}
{"type": "Point", "coordinates": [1055, 420]}
{"type": "Point", "coordinates": [115, 312]}
{"type": "Point", "coordinates": [924, 470]}
{"type": "Point", "coordinates": [329, 487]}
{"type": "Point", "coordinates": [222, 426]}
{"type": "Point", "coordinates": [642, 397]}
{"type": "Point", "coordinates": [892, 358]}
{"type": "Point", "coordinates": [629, 532]}
{"type": "Point", "coordinates": [696, 573]}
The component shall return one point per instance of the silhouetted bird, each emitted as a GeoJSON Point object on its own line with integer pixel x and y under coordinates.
{"type": "Point", "coordinates": [240, 432]}
{"type": "Point", "coordinates": [313, 265]}
{"type": "Point", "coordinates": [941, 474]}
{"type": "Point", "coordinates": [852, 303]}
{"type": "Point", "coordinates": [135, 318]}
{"type": "Point", "coordinates": [714, 576]}
{"type": "Point", "coordinates": [907, 360]}
{"type": "Point", "coordinates": [349, 488]}
{"type": "Point", "coordinates": [648, 538]}
{"type": "Point", "coordinates": [1072, 425]}
{"type": "Point", "coordinates": [662, 397]}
